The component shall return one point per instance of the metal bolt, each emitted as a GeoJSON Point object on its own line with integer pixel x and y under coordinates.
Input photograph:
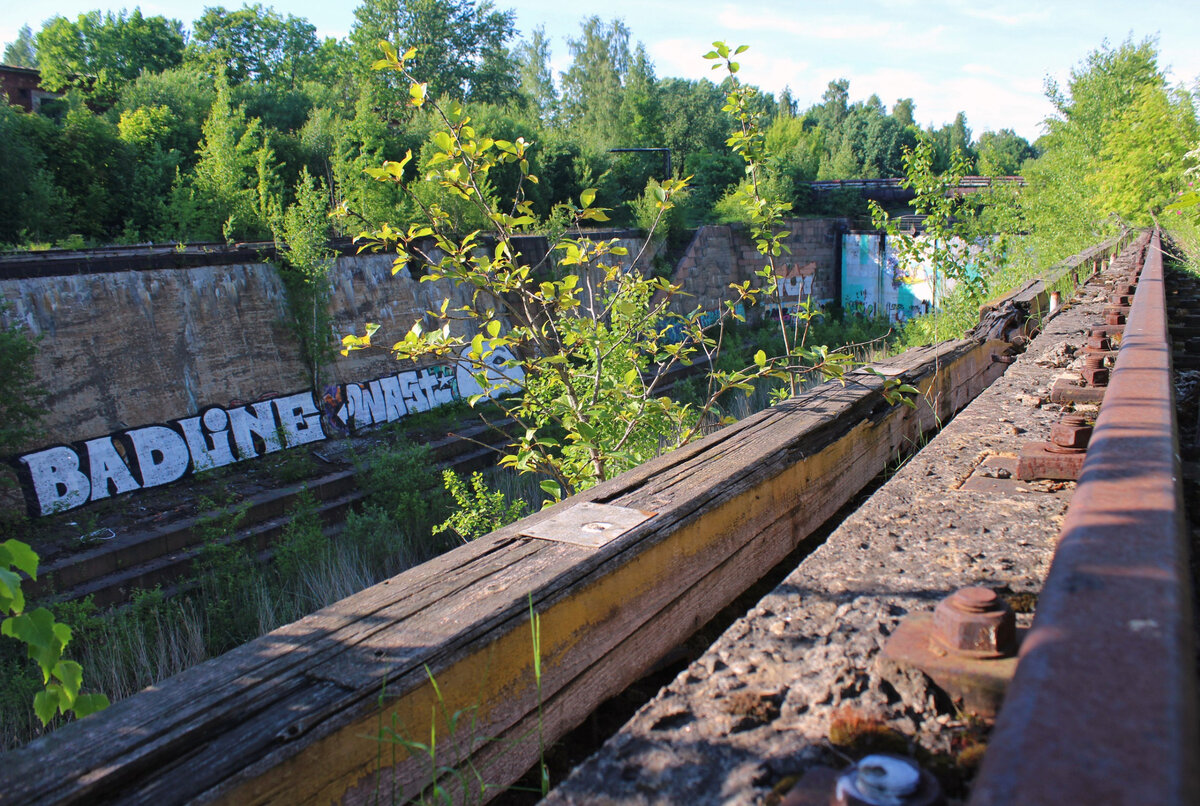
{"type": "Point", "coordinates": [1126, 289]}
{"type": "Point", "coordinates": [976, 623]}
{"type": "Point", "coordinates": [1072, 431]}
{"type": "Point", "coordinates": [1098, 338]}
{"type": "Point", "coordinates": [1094, 372]}
{"type": "Point", "coordinates": [883, 779]}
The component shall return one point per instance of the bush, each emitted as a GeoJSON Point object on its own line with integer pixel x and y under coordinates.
{"type": "Point", "coordinates": [480, 509]}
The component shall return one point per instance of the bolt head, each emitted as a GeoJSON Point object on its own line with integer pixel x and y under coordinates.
{"type": "Point", "coordinates": [1072, 431]}
{"type": "Point", "coordinates": [975, 623]}
{"type": "Point", "coordinates": [1095, 376]}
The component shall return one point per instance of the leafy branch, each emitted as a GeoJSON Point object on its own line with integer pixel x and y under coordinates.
{"type": "Point", "coordinates": [45, 639]}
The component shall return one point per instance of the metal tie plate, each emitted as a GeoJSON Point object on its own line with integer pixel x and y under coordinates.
{"type": "Point", "coordinates": [588, 524]}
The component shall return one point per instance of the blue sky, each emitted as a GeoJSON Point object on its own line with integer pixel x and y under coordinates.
{"type": "Point", "coordinates": [989, 59]}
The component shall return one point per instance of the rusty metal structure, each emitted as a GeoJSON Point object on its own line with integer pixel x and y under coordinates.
{"type": "Point", "coordinates": [1103, 705]}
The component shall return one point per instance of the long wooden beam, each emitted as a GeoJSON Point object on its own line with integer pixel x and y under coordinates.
{"type": "Point", "coordinates": [296, 715]}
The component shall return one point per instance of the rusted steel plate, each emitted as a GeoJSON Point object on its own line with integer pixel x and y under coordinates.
{"type": "Point", "coordinates": [1103, 705]}
{"type": "Point", "coordinates": [1045, 460]}
{"type": "Point", "coordinates": [588, 524]}
{"type": "Point", "coordinates": [1066, 390]}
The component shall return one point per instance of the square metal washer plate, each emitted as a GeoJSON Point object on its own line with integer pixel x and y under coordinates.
{"type": "Point", "coordinates": [588, 524]}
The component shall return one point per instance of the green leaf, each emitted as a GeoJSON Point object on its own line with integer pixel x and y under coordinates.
{"type": "Point", "coordinates": [45, 704]}
{"type": "Point", "coordinates": [552, 488]}
{"type": "Point", "coordinates": [70, 674]}
{"type": "Point", "coordinates": [12, 600]}
{"type": "Point", "coordinates": [442, 140]}
{"type": "Point", "coordinates": [587, 197]}
{"type": "Point", "coordinates": [22, 556]}
{"type": "Point", "coordinates": [38, 631]}
{"type": "Point", "coordinates": [1188, 199]}
{"type": "Point", "coordinates": [88, 704]}
{"type": "Point", "coordinates": [493, 329]}
{"type": "Point", "coordinates": [760, 358]}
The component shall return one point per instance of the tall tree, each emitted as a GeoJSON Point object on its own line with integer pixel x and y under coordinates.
{"type": "Point", "coordinates": [835, 104]}
{"type": "Point", "coordinates": [100, 54]}
{"type": "Point", "coordinates": [902, 111]}
{"type": "Point", "coordinates": [1142, 160]}
{"type": "Point", "coordinates": [1002, 153]}
{"type": "Point", "coordinates": [537, 82]}
{"type": "Point", "coordinates": [592, 87]}
{"type": "Point", "coordinates": [1063, 210]}
{"type": "Point", "coordinates": [20, 52]}
{"type": "Point", "coordinates": [461, 48]}
{"type": "Point", "coordinates": [254, 44]}
{"type": "Point", "coordinates": [235, 177]}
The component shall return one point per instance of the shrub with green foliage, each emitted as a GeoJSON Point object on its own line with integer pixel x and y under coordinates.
{"type": "Point", "coordinates": [480, 510]}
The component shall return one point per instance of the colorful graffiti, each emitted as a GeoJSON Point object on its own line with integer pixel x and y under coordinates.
{"type": "Point", "coordinates": [64, 477]}
{"type": "Point", "coordinates": [874, 283]}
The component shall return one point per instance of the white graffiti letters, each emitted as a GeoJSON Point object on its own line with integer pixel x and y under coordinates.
{"type": "Point", "coordinates": [63, 477]}
{"type": "Point", "coordinates": [56, 480]}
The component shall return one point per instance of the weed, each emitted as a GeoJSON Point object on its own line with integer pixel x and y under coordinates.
{"type": "Point", "coordinates": [303, 542]}
{"type": "Point", "coordinates": [459, 730]}
{"type": "Point", "coordinates": [480, 510]}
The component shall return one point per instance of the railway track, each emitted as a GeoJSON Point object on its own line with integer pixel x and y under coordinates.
{"type": "Point", "coordinates": [794, 697]}
{"type": "Point", "coordinates": [843, 663]}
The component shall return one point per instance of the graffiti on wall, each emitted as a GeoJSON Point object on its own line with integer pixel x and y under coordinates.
{"type": "Point", "coordinates": [795, 284]}
{"type": "Point", "coordinates": [64, 477]}
{"type": "Point", "coordinates": [874, 283]}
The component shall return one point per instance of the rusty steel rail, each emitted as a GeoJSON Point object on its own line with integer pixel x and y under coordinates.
{"type": "Point", "coordinates": [1103, 705]}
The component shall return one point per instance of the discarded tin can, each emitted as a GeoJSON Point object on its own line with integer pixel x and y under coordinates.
{"type": "Point", "coordinates": [884, 779]}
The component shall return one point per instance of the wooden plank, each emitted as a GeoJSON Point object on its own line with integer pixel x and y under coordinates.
{"type": "Point", "coordinates": [283, 718]}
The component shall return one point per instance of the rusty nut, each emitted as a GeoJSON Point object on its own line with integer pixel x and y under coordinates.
{"type": "Point", "coordinates": [1094, 372]}
{"type": "Point", "coordinates": [975, 623]}
{"type": "Point", "coordinates": [1098, 339]}
{"type": "Point", "coordinates": [1072, 431]}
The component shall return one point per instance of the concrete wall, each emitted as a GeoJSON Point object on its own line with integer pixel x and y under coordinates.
{"type": "Point", "coordinates": [127, 348]}
{"type": "Point", "coordinates": [722, 254]}
{"type": "Point", "coordinates": [154, 374]}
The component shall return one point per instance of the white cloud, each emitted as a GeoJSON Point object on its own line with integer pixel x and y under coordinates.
{"type": "Point", "coordinates": [1003, 14]}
